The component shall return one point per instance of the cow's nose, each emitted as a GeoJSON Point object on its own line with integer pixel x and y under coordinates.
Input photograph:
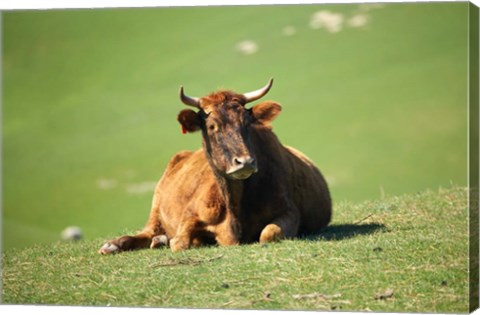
{"type": "Point", "coordinates": [242, 167]}
{"type": "Point", "coordinates": [244, 161]}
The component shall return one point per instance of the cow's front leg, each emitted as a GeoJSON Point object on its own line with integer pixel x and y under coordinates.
{"type": "Point", "coordinates": [272, 233]}
{"type": "Point", "coordinates": [127, 242]}
{"type": "Point", "coordinates": [228, 232]}
{"type": "Point", "coordinates": [159, 241]}
{"type": "Point", "coordinates": [285, 226]}
{"type": "Point", "coordinates": [183, 237]}
{"type": "Point", "coordinates": [149, 236]}
{"type": "Point", "coordinates": [227, 235]}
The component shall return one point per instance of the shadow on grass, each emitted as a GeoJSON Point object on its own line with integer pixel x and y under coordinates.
{"type": "Point", "coordinates": [338, 232]}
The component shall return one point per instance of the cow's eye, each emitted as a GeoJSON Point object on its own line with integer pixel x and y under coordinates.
{"type": "Point", "coordinates": [212, 127]}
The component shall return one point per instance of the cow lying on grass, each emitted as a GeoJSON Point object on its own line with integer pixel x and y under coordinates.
{"type": "Point", "coordinates": [243, 186]}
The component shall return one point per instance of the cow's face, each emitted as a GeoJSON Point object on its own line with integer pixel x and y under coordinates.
{"type": "Point", "coordinates": [226, 127]}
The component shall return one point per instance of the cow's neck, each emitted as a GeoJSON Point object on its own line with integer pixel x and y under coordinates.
{"type": "Point", "coordinates": [232, 192]}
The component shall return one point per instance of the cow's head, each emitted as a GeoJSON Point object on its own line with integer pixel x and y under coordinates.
{"type": "Point", "coordinates": [226, 126]}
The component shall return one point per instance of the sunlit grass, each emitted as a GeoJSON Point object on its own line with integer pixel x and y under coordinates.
{"type": "Point", "coordinates": [415, 245]}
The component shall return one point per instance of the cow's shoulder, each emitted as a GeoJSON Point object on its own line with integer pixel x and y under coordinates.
{"type": "Point", "coordinates": [176, 163]}
{"type": "Point", "coordinates": [178, 157]}
{"type": "Point", "coordinates": [185, 165]}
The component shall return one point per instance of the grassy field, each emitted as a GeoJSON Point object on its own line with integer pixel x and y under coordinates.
{"type": "Point", "coordinates": [90, 98]}
{"type": "Point", "coordinates": [403, 253]}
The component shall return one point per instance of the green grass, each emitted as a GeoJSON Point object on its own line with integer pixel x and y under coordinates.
{"type": "Point", "coordinates": [414, 244]}
{"type": "Point", "coordinates": [92, 95]}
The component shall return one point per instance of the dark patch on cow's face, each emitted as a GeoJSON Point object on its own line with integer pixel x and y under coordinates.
{"type": "Point", "coordinates": [226, 133]}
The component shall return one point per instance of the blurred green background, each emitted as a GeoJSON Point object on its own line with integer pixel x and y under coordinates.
{"type": "Point", "coordinates": [375, 94]}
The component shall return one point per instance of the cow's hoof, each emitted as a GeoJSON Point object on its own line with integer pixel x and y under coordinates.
{"type": "Point", "coordinates": [271, 233]}
{"type": "Point", "coordinates": [108, 248]}
{"type": "Point", "coordinates": [159, 241]}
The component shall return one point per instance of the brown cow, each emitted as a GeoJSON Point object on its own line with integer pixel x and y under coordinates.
{"type": "Point", "coordinates": [242, 186]}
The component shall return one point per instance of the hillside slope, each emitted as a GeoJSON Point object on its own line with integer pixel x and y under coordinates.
{"type": "Point", "coordinates": [413, 249]}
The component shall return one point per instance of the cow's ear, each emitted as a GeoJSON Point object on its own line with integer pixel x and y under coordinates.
{"type": "Point", "coordinates": [189, 120]}
{"type": "Point", "coordinates": [266, 112]}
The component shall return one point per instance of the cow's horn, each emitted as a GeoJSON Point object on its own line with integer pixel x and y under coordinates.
{"type": "Point", "coordinates": [187, 100]}
{"type": "Point", "coordinates": [255, 95]}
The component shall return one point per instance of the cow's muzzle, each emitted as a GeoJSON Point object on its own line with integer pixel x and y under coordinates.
{"type": "Point", "coordinates": [242, 167]}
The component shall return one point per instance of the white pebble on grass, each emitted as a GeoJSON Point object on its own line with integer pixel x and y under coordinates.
{"type": "Point", "coordinates": [289, 31]}
{"type": "Point", "coordinates": [358, 20]}
{"type": "Point", "coordinates": [106, 183]}
{"type": "Point", "coordinates": [72, 233]}
{"type": "Point", "coordinates": [365, 7]}
{"type": "Point", "coordinates": [247, 47]}
{"type": "Point", "coordinates": [332, 22]}
{"type": "Point", "coordinates": [141, 188]}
